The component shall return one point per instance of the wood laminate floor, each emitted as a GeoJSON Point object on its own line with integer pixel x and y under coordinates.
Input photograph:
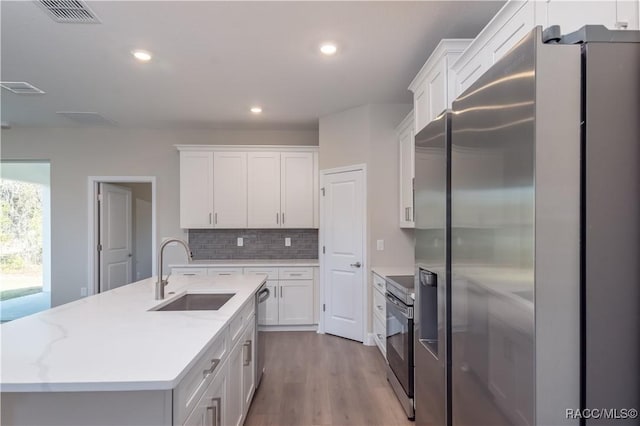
{"type": "Point", "coordinates": [319, 379]}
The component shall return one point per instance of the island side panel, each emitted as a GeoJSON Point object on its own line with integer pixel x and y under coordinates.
{"type": "Point", "coordinates": [141, 408]}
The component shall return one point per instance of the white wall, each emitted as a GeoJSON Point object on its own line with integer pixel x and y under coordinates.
{"type": "Point", "coordinates": [366, 134]}
{"type": "Point", "coordinates": [76, 153]}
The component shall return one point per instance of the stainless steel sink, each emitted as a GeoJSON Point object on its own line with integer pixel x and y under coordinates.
{"type": "Point", "coordinates": [197, 302]}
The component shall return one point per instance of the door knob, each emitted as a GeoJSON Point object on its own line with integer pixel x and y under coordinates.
{"type": "Point", "coordinates": [356, 265]}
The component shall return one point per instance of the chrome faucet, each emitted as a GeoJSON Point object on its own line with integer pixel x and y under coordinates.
{"type": "Point", "coordinates": [160, 284]}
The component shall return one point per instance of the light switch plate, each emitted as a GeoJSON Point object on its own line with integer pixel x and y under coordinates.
{"type": "Point", "coordinates": [380, 245]}
{"type": "Point", "coordinates": [287, 242]}
{"type": "Point", "coordinates": [240, 242]}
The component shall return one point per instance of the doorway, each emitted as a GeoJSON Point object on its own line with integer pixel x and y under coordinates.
{"type": "Point", "coordinates": [343, 265]}
{"type": "Point", "coordinates": [122, 231]}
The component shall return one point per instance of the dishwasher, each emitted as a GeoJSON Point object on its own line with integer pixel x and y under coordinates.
{"type": "Point", "coordinates": [261, 304]}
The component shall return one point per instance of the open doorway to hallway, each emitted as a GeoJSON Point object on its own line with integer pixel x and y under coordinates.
{"type": "Point", "coordinates": [122, 237]}
{"type": "Point", "coordinates": [25, 237]}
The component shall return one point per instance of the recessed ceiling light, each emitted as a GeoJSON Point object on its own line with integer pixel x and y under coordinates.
{"type": "Point", "coordinates": [256, 110]}
{"type": "Point", "coordinates": [328, 49]}
{"type": "Point", "coordinates": [142, 55]}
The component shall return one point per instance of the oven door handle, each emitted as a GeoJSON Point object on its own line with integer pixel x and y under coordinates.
{"type": "Point", "coordinates": [266, 293]}
{"type": "Point", "coordinates": [404, 310]}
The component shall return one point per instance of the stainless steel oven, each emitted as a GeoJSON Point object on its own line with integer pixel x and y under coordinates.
{"type": "Point", "coordinates": [400, 339]}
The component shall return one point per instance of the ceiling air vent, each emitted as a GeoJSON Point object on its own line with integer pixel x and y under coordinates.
{"type": "Point", "coordinates": [21, 88]}
{"type": "Point", "coordinates": [88, 118]}
{"type": "Point", "coordinates": [69, 11]}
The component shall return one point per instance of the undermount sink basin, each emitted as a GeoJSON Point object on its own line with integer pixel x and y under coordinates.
{"type": "Point", "coordinates": [197, 302]}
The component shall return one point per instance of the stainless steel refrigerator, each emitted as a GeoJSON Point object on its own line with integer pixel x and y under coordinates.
{"type": "Point", "coordinates": [544, 282]}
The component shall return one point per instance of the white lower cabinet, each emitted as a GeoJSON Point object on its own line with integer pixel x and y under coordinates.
{"type": "Point", "coordinates": [379, 310]}
{"type": "Point", "coordinates": [295, 305]}
{"type": "Point", "coordinates": [210, 410]}
{"type": "Point", "coordinates": [219, 388]}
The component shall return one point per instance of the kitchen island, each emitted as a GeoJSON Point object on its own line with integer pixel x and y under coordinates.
{"type": "Point", "coordinates": [112, 359]}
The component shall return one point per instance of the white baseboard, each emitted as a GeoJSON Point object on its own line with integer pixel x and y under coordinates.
{"type": "Point", "coordinates": [368, 341]}
{"type": "Point", "coordinates": [289, 327]}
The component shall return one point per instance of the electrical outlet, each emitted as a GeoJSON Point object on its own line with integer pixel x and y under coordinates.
{"type": "Point", "coordinates": [380, 245]}
{"type": "Point", "coordinates": [83, 292]}
{"type": "Point", "coordinates": [240, 242]}
{"type": "Point", "coordinates": [287, 242]}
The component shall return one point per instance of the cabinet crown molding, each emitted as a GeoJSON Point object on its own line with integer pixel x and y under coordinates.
{"type": "Point", "coordinates": [249, 148]}
{"type": "Point", "coordinates": [446, 46]}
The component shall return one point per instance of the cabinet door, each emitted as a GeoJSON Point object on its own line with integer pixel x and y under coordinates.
{"type": "Point", "coordinates": [230, 189]}
{"type": "Point", "coordinates": [234, 403]}
{"type": "Point", "coordinates": [248, 366]}
{"type": "Point", "coordinates": [269, 315]}
{"type": "Point", "coordinates": [407, 172]}
{"type": "Point", "coordinates": [297, 192]}
{"type": "Point", "coordinates": [572, 15]}
{"type": "Point", "coordinates": [512, 31]}
{"type": "Point", "coordinates": [263, 189]}
{"type": "Point", "coordinates": [196, 189]}
{"type": "Point", "coordinates": [211, 407]}
{"type": "Point", "coordinates": [295, 302]}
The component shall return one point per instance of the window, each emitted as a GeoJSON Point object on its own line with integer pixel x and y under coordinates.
{"type": "Point", "coordinates": [24, 238]}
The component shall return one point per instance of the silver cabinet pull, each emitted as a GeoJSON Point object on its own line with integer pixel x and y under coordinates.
{"type": "Point", "coordinates": [224, 273]}
{"type": "Point", "coordinates": [281, 291]}
{"type": "Point", "coordinates": [356, 265]}
{"type": "Point", "coordinates": [214, 364]}
{"type": "Point", "coordinates": [283, 218]}
{"type": "Point", "coordinates": [410, 213]}
{"type": "Point", "coordinates": [209, 218]}
{"type": "Point", "coordinates": [247, 357]}
{"type": "Point", "coordinates": [296, 275]}
{"type": "Point", "coordinates": [277, 219]}
{"type": "Point", "coordinates": [379, 307]}
{"type": "Point", "coordinates": [215, 218]}
{"type": "Point", "coordinates": [185, 274]}
{"type": "Point", "coordinates": [215, 407]}
{"type": "Point", "coordinates": [379, 336]}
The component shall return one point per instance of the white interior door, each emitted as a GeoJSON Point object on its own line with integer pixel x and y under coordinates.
{"type": "Point", "coordinates": [343, 230]}
{"type": "Point", "coordinates": [115, 236]}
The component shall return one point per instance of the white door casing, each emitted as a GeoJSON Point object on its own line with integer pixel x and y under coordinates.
{"type": "Point", "coordinates": [115, 236]}
{"type": "Point", "coordinates": [343, 230]}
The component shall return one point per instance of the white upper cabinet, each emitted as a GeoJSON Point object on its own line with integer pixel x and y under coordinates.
{"type": "Point", "coordinates": [406, 145]}
{"type": "Point", "coordinates": [230, 189]}
{"type": "Point", "coordinates": [518, 17]}
{"type": "Point", "coordinates": [248, 187]}
{"type": "Point", "coordinates": [196, 189]}
{"type": "Point", "coordinates": [264, 190]}
{"type": "Point", "coordinates": [297, 194]}
{"type": "Point", "coordinates": [433, 88]}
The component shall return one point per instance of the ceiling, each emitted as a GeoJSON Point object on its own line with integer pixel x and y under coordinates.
{"type": "Point", "coordinates": [213, 60]}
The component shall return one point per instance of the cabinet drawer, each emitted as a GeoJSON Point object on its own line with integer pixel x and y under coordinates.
{"type": "Point", "coordinates": [271, 273]}
{"type": "Point", "coordinates": [189, 271]}
{"type": "Point", "coordinates": [188, 392]}
{"type": "Point", "coordinates": [379, 283]}
{"type": "Point", "coordinates": [380, 335]}
{"type": "Point", "coordinates": [296, 273]}
{"type": "Point", "coordinates": [223, 272]}
{"type": "Point", "coordinates": [379, 305]}
{"type": "Point", "coordinates": [241, 319]}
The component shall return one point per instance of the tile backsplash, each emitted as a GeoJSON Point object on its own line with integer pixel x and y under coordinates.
{"type": "Point", "coordinates": [212, 244]}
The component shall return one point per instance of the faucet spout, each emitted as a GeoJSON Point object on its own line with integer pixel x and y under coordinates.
{"type": "Point", "coordinates": [161, 283]}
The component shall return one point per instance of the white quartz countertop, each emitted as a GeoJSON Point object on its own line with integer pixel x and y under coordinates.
{"type": "Point", "coordinates": [112, 342]}
{"type": "Point", "coordinates": [386, 271]}
{"type": "Point", "coordinates": [246, 262]}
